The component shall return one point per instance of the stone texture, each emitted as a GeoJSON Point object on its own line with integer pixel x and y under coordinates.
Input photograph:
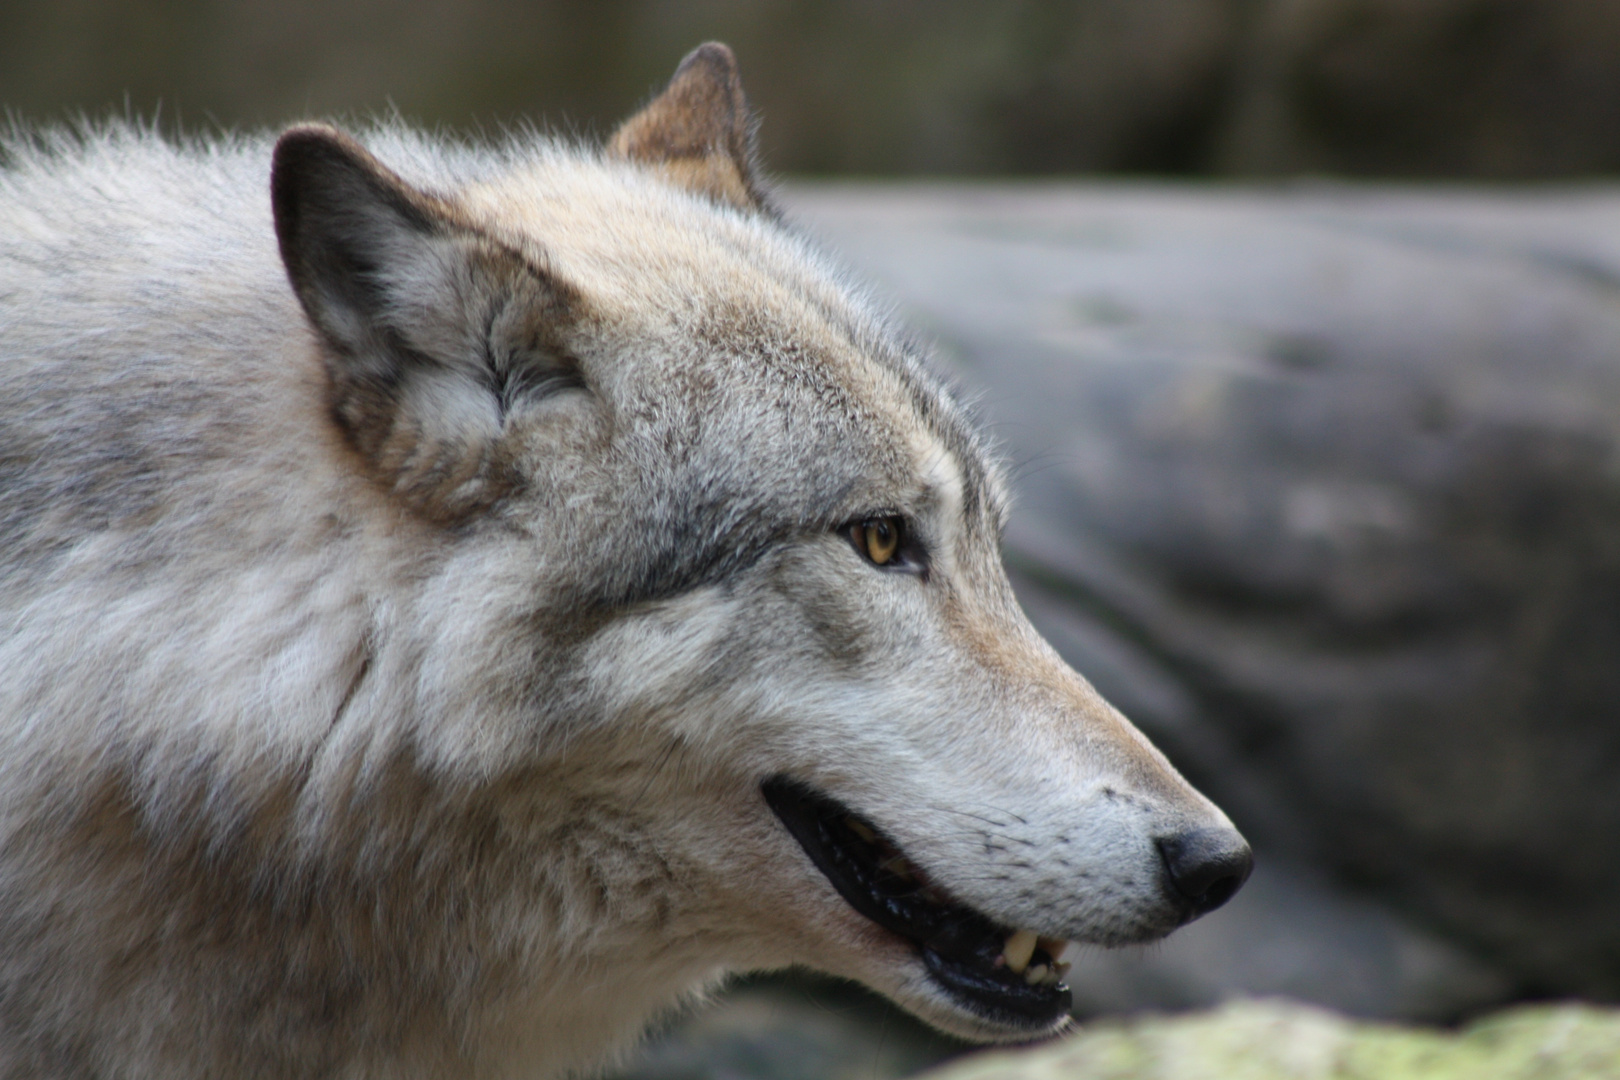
{"type": "Point", "coordinates": [1270, 1040]}
{"type": "Point", "coordinates": [789, 1028]}
{"type": "Point", "coordinates": [1322, 486]}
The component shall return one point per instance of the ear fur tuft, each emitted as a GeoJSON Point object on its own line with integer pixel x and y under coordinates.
{"type": "Point", "coordinates": [699, 132]}
{"type": "Point", "coordinates": [431, 330]}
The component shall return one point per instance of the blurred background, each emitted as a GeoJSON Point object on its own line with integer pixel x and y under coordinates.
{"type": "Point", "coordinates": [1408, 88]}
{"type": "Point", "coordinates": [1299, 322]}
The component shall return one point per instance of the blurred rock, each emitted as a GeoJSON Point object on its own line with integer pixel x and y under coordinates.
{"type": "Point", "coordinates": [1322, 487]}
{"type": "Point", "coordinates": [791, 1027]}
{"type": "Point", "coordinates": [1264, 1040]}
{"type": "Point", "coordinates": [1290, 933]}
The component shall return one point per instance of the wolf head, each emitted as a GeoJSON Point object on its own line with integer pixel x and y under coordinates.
{"type": "Point", "coordinates": [715, 596]}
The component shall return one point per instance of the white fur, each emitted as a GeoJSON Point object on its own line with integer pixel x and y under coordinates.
{"type": "Point", "coordinates": [299, 780]}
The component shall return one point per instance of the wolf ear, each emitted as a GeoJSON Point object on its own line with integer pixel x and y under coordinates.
{"type": "Point", "coordinates": [699, 131]}
{"type": "Point", "coordinates": [432, 331]}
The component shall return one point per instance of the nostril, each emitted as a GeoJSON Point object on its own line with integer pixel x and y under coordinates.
{"type": "Point", "coordinates": [1206, 866]}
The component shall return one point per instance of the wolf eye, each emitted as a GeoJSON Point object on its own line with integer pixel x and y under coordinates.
{"type": "Point", "coordinates": [877, 538]}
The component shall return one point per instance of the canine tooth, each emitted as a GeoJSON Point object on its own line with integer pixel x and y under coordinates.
{"type": "Point", "coordinates": [1018, 948]}
{"type": "Point", "coordinates": [1036, 975]}
{"type": "Point", "coordinates": [1052, 946]}
{"type": "Point", "coordinates": [1061, 970]}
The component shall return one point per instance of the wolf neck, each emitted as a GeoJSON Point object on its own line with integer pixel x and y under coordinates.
{"type": "Point", "coordinates": [508, 925]}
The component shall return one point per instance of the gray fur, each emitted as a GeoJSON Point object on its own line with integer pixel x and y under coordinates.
{"type": "Point", "coordinates": [416, 730]}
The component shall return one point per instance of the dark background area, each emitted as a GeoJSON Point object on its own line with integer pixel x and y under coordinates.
{"type": "Point", "coordinates": [1389, 88]}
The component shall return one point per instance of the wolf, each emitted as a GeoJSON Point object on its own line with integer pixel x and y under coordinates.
{"type": "Point", "coordinates": [457, 601]}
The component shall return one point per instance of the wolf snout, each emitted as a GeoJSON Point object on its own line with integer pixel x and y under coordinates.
{"type": "Point", "coordinates": [1205, 867]}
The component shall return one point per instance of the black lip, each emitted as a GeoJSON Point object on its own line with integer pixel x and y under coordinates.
{"type": "Point", "coordinates": [959, 946]}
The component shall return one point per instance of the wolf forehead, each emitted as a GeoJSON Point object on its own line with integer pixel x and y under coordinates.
{"type": "Point", "coordinates": [765, 390]}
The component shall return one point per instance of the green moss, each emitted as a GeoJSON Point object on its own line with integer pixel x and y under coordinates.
{"type": "Point", "coordinates": [1270, 1040]}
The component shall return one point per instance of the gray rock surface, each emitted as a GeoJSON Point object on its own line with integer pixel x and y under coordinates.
{"type": "Point", "coordinates": [789, 1028]}
{"type": "Point", "coordinates": [1321, 486]}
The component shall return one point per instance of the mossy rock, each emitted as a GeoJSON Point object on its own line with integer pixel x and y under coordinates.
{"type": "Point", "coordinates": [1271, 1040]}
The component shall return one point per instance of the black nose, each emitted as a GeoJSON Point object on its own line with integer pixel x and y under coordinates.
{"type": "Point", "coordinates": [1206, 866]}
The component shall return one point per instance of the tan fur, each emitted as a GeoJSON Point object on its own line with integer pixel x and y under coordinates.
{"type": "Point", "coordinates": [699, 132]}
{"type": "Point", "coordinates": [407, 582]}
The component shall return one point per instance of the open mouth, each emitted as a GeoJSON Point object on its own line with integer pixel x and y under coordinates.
{"type": "Point", "coordinates": [1008, 976]}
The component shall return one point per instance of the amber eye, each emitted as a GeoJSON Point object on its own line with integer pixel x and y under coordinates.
{"type": "Point", "coordinates": [877, 539]}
